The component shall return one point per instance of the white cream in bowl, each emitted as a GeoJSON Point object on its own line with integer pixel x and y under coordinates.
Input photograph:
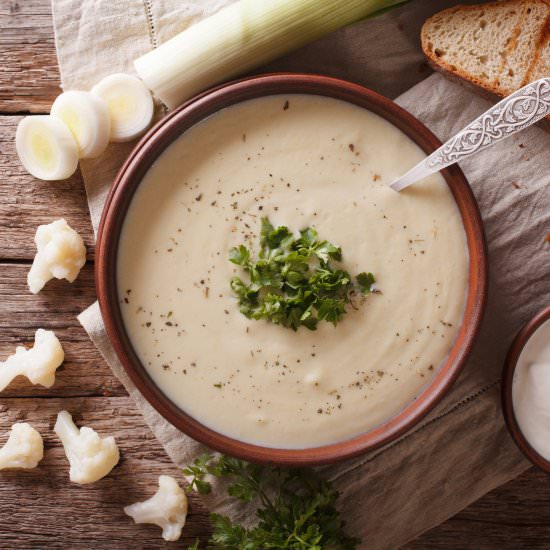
{"type": "Point", "coordinates": [301, 161]}
{"type": "Point", "coordinates": [531, 391]}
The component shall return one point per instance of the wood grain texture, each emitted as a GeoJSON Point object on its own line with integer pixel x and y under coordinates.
{"type": "Point", "coordinates": [26, 202]}
{"type": "Point", "coordinates": [84, 371]}
{"type": "Point", "coordinates": [41, 508]}
{"type": "Point", "coordinates": [515, 516]}
{"type": "Point", "coordinates": [29, 77]}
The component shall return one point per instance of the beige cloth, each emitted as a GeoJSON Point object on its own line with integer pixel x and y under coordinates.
{"type": "Point", "coordinates": [462, 449]}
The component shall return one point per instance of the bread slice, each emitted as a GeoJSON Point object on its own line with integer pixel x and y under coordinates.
{"type": "Point", "coordinates": [540, 67]}
{"type": "Point", "coordinates": [499, 46]}
{"type": "Point", "coordinates": [522, 49]}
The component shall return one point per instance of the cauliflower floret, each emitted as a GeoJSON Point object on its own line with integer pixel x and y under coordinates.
{"type": "Point", "coordinates": [38, 363]}
{"type": "Point", "coordinates": [90, 456]}
{"type": "Point", "coordinates": [60, 253]}
{"type": "Point", "coordinates": [167, 508]}
{"type": "Point", "coordinates": [23, 449]}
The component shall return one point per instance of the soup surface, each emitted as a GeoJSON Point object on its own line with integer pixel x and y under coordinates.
{"type": "Point", "coordinates": [301, 161]}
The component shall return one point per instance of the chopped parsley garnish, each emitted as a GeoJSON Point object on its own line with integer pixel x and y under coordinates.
{"type": "Point", "coordinates": [294, 282]}
{"type": "Point", "coordinates": [296, 508]}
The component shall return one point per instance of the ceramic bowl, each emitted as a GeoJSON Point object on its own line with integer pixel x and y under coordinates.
{"type": "Point", "coordinates": [149, 149]}
{"type": "Point", "coordinates": [510, 364]}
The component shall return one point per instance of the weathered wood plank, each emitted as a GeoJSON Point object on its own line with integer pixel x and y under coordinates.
{"type": "Point", "coordinates": [84, 371]}
{"type": "Point", "coordinates": [29, 76]}
{"type": "Point", "coordinates": [26, 202]}
{"type": "Point", "coordinates": [41, 508]}
{"type": "Point", "coordinates": [81, 514]}
{"type": "Point", "coordinates": [513, 516]}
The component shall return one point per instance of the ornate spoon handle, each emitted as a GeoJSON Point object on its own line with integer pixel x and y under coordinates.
{"type": "Point", "coordinates": [513, 114]}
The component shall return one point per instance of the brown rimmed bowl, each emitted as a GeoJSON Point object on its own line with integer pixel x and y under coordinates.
{"type": "Point", "coordinates": [510, 364]}
{"type": "Point", "coordinates": [145, 154]}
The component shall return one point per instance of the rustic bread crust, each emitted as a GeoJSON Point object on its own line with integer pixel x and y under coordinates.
{"type": "Point", "coordinates": [479, 90]}
{"type": "Point", "coordinates": [543, 45]}
{"type": "Point", "coordinates": [485, 87]}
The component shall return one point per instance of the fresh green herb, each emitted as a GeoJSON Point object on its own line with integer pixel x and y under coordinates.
{"type": "Point", "coordinates": [293, 282]}
{"type": "Point", "coordinates": [365, 282]}
{"type": "Point", "coordinates": [296, 508]}
{"type": "Point", "coordinates": [197, 472]}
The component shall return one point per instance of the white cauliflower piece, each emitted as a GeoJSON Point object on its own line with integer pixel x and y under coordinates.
{"type": "Point", "coordinates": [167, 508]}
{"type": "Point", "coordinates": [23, 449]}
{"type": "Point", "coordinates": [90, 456]}
{"type": "Point", "coordinates": [38, 363]}
{"type": "Point", "coordinates": [60, 253]}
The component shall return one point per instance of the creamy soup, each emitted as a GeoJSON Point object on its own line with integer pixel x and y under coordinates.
{"type": "Point", "coordinates": [301, 161]}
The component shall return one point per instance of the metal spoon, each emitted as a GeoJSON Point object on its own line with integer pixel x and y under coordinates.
{"type": "Point", "coordinates": [513, 114]}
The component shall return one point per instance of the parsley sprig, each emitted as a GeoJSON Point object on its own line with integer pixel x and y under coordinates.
{"type": "Point", "coordinates": [296, 508]}
{"type": "Point", "coordinates": [293, 282]}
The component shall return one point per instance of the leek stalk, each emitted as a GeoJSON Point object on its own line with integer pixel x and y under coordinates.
{"type": "Point", "coordinates": [242, 36]}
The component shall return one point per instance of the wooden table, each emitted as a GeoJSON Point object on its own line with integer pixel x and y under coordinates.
{"type": "Point", "coordinates": [40, 507]}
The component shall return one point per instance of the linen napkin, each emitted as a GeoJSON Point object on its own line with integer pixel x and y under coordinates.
{"type": "Point", "coordinates": [462, 449]}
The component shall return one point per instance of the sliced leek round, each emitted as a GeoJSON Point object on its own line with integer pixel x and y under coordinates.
{"type": "Point", "coordinates": [87, 117]}
{"type": "Point", "coordinates": [130, 105]}
{"type": "Point", "coordinates": [46, 147]}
